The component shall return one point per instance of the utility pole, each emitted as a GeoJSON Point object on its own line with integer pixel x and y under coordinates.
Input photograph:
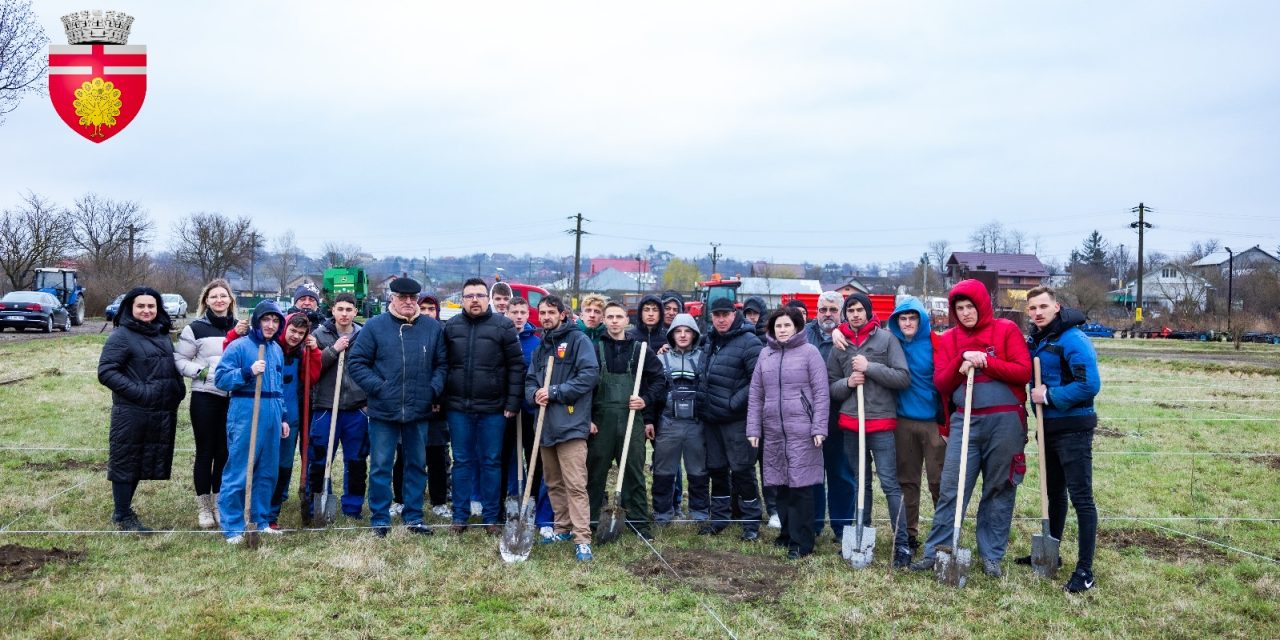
{"type": "Point", "coordinates": [715, 255]}
{"type": "Point", "coordinates": [1231, 274]}
{"type": "Point", "coordinates": [253, 261]}
{"type": "Point", "coordinates": [1141, 225]}
{"type": "Point", "coordinates": [924, 277]}
{"type": "Point", "coordinates": [577, 254]}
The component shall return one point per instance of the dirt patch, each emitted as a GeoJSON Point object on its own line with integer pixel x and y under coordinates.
{"type": "Point", "coordinates": [734, 576]}
{"type": "Point", "coordinates": [1272, 461]}
{"type": "Point", "coordinates": [1169, 405]}
{"type": "Point", "coordinates": [65, 465]}
{"type": "Point", "coordinates": [1160, 546]}
{"type": "Point", "coordinates": [17, 562]}
{"type": "Point", "coordinates": [1107, 432]}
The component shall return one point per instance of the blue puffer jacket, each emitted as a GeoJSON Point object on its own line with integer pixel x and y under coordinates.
{"type": "Point", "coordinates": [1063, 341]}
{"type": "Point", "coordinates": [920, 400]}
{"type": "Point", "coordinates": [529, 340]}
{"type": "Point", "coordinates": [401, 365]}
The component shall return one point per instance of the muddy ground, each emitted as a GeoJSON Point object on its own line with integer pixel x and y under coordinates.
{"type": "Point", "coordinates": [1160, 546]}
{"type": "Point", "coordinates": [17, 561]}
{"type": "Point", "coordinates": [734, 576]}
{"type": "Point", "coordinates": [65, 465]}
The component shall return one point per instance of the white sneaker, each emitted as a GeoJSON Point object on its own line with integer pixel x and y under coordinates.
{"type": "Point", "coordinates": [442, 511]}
{"type": "Point", "coordinates": [236, 539]}
{"type": "Point", "coordinates": [546, 532]}
{"type": "Point", "coordinates": [396, 509]}
{"type": "Point", "coordinates": [775, 522]}
{"type": "Point", "coordinates": [267, 530]}
{"type": "Point", "coordinates": [477, 509]}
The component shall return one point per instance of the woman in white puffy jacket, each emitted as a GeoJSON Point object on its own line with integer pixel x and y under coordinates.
{"type": "Point", "coordinates": [197, 354]}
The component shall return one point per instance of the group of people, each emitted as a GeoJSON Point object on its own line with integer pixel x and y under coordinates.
{"type": "Point", "coordinates": [440, 411]}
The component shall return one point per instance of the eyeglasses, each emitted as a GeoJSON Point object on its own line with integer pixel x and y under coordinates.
{"type": "Point", "coordinates": [828, 310]}
{"type": "Point", "coordinates": [405, 296]}
{"type": "Point", "coordinates": [475, 296]}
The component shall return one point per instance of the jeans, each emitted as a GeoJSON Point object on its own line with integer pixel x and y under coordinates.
{"type": "Point", "coordinates": [835, 500]}
{"type": "Point", "coordinates": [352, 436]}
{"type": "Point", "coordinates": [1069, 471]}
{"type": "Point", "coordinates": [383, 438]}
{"type": "Point", "coordinates": [883, 455]}
{"type": "Point", "coordinates": [477, 462]}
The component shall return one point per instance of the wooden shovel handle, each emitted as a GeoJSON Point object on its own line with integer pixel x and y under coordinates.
{"type": "Point", "coordinates": [631, 418]}
{"type": "Point", "coordinates": [964, 451]}
{"type": "Point", "coordinates": [537, 433]}
{"type": "Point", "coordinates": [253, 436]}
{"type": "Point", "coordinates": [333, 420]}
{"type": "Point", "coordinates": [1044, 485]}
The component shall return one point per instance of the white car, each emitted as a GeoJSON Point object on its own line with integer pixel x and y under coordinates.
{"type": "Point", "coordinates": [174, 305]}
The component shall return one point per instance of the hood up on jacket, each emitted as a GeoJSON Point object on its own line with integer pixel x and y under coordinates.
{"type": "Point", "coordinates": [647, 299]}
{"type": "Point", "coordinates": [284, 346]}
{"type": "Point", "coordinates": [683, 320]}
{"type": "Point", "coordinates": [977, 293]}
{"type": "Point", "coordinates": [911, 303]}
{"type": "Point", "coordinates": [673, 295]}
{"type": "Point", "coordinates": [263, 309]}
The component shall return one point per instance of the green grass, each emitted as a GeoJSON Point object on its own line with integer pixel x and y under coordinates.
{"type": "Point", "coordinates": [347, 584]}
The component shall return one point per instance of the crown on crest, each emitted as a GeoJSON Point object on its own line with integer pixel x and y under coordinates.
{"type": "Point", "coordinates": [97, 27]}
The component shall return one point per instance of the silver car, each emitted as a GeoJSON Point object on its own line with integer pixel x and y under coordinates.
{"type": "Point", "coordinates": [174, 305]}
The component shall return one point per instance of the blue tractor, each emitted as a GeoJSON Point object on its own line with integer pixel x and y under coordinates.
{"type": "Point", "coordinates": [63, 285]}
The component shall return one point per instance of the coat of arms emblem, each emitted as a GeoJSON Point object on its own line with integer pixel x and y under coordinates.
{"type": "Point", "coordinates": [97, 81]}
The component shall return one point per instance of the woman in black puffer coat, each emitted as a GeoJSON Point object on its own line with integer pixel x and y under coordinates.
{"type": "Point", "coordinates": [137, 365]}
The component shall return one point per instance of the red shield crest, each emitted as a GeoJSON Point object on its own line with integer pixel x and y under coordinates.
{"type": "Point", "coordinates": [97, 88]}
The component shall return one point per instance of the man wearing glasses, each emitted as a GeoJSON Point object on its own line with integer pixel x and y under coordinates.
{"type": "Point", "coordinates": [837, 498]}
{"type": "Point", "coordinates": [484, 387]}
{"type": "Point", "coordinates": [399, 360]}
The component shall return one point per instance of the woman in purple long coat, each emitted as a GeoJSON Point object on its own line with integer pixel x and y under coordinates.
{"type": "Point", "coordinates": [787, 409]}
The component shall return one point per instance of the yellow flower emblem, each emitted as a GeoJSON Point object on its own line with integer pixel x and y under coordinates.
{"type": "Point", "coordinates": [97, 103]}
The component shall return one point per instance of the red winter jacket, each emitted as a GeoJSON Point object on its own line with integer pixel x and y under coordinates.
{"type": "Point", "coordinates": [1008, 360]}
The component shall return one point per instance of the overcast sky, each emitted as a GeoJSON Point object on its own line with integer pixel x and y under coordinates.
{"type": "Point", "coordinates": [814, 131]}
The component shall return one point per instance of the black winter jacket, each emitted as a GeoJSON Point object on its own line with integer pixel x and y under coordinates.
{"type": "Point", "coordinates": [655, 335]}
{"type": "Point", "coordinates": [486, 364]}
{"type": "Point", "coordinates": [725, 381]}
{"type": "Point", "coordinates": [146, 389]}
{"type": "Point", "coordinates": [573, 383]}
{"type": "Point", "coordinates": [621, 354]}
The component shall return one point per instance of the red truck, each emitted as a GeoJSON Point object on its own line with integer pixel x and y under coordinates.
{"type": "Point", "coordinates": [881, 304]}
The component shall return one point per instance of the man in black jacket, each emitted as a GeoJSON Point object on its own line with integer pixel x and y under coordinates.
{"type": "Point", "coordinates": [483, 388]}
{"type": "Point", "coordinates": [649, 325]}
{"type": "Point", "coordinates": [729, 357]}
{"type": "Point", "coordinates": [612, 403]}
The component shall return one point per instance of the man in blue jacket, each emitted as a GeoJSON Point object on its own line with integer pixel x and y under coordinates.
{"type": "Point", "coordinates": [399, 360]}
{"type": "Point", "coordinates": [1069, 383]}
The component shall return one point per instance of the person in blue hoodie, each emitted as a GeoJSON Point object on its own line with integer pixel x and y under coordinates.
{"type": "Point", "coordinates": [1068, 384]}
{"type": "Point", "coordinates": [237, 374]}
{"type": "Point", "coordinates": [919, 443]}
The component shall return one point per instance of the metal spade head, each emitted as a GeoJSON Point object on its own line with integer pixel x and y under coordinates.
{"type": "Point", "coordinates": [953, 568]}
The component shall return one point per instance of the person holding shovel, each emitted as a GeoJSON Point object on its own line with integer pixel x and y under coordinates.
{"type": "Point", "coordinates": [399, 360]}
{"type": "Point", "coordinates": [567, 421]}
{"type": "Point", "coordinates": [618, 353]}
{"type": "Point", "coordinates": [996, 351]}
{"type": "Point", "coordinates": [787, 413]}
{"type": "Point", "coordinates": [1069, 383]}
{"type": "Point", "coordinates": [333, 337]}
{"type": "Point", "coordinates": [872, 359]}
{"type": "Point", "coordinates": [237, 374]}
{"type": "Point", "coordinates": [298, 346]}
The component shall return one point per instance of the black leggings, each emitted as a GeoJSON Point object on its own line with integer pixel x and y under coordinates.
{"type": "Point", "coordinates": [122, 495]}
{"type": "Point", "coordinates": [209, 425]}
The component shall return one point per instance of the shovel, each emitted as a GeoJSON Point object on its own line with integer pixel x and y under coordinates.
{"type": "Point", "coordinates": [251, 527]}
{"type": "Point", "coordinates": [517, 534]}
{"type": "Point", "coordinates": [512, 504]}
{"type": "Point", "coordinates": [304, 489]}
{"type": "Point", "coordinates": [859, 542]}
{"type": "Point", "coordinates": [1044, 547]}
{"type": "Point", "coordinates": [614, 517]}
{"type": "Point", "coordinates": [325, 508]}
{"type": "Point", "coordinates": [952, 565]}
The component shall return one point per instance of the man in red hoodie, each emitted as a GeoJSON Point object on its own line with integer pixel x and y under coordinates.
{"type": "Point", "coordinates": [997, 353]}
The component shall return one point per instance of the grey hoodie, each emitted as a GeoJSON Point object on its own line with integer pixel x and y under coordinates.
{"type": "Point", "coordinates": [887, 374]}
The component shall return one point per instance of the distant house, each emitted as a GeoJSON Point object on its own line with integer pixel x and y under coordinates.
{"type": "Point", "coordinates": [1244, 263]}
{"type": "Point", "coordinates": [614, 280]}
{"type": "Point", "coordinates": [1008, 276]}
{"type": "Point", "coordinates": [771, 289]}
{"type": "Point", "coordinates": [777, 269]}
{"type": "Point", "coordinates": [625, 265]}
{"type": "Point", "coordinates": [1171, 287]}
{"type": "Point", "coordinates": [846, 286]}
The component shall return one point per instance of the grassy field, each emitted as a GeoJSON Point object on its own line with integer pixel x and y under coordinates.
{"type": "Point", "coordinates": [1165, 488]}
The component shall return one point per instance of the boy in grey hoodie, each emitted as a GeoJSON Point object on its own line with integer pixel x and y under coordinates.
{"type": "Point", "coordinates": [679, 434]}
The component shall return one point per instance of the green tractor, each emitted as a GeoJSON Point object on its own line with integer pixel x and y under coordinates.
{"type": "Point", "coordinates": [63, 285]}
{"type": "Point", "coordinates": [352, 280]}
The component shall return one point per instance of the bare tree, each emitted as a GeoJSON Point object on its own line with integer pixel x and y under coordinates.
{"type": "Point", "coordinates": [338, 254]}
{"type": "Point", "coordinates": [22, 54]}
{"type": "Point", "coordinates": [1187, 292]}
{"type": "Point", "coordinates": [989, 238]}
{"type": "Point", "coordinates": [1016, 241]}
{"type": "Point", "coordinates": [283, 263]}
{"type": "Point", "coordinates": [214, 243]}
{"type": "Point", "coordinates": [1202, 249]}
{"type": "Point", "coordinates": [939, 251]}
{"type": "Point", "coordinates": [107, 235]}
{"type": "Point", "coordinates": [1089, 291]}
{"type": "Point", "coordinates": [34, 234]}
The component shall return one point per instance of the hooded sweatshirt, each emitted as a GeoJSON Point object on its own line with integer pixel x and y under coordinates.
{"type": "Point", "coordinates": [681, 366]}
{"type": "Point", "coordinates": [756, 303]}
{"type": "Point", "coordinates": [920, 400]}
{"type": "Point", "coordinates": [1069, 368]}
{"type": "Point", "coordinates": [235, 374]}
{"type": "Point", "coordinates": [1000, 387]}
{"type": "Point", "coordinates": [293, 369]}
{"type": "Point", "coordinates": [655, 334]}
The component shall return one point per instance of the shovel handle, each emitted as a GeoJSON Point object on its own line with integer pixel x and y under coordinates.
{"type": "Point", "coordinates": [253, 440]}
{"type": "Point", "coordinates": [537, 435]}
{"type": "Point", "coordinates": [631, 419]}
{"type": "Point", "coordinates": [862, 453]}
{"type": "Point", "coordinates": [1044, 485]}
{"type": "Point", "coordinates": [333, 422]}
{"type": "Point", "coordinates": [964, 459]}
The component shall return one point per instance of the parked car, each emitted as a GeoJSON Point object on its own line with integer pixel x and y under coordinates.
{"type": "Point", "coordinates": [1095, 330]}
{"type": "Point", "coordinates": [114, 307]}
{"type": "Point", "coordinates": [174, 305]}
{"type": "Point", "coordinates": [34, 309]}
{"type": "Point", "coordinates": [1260, 337]}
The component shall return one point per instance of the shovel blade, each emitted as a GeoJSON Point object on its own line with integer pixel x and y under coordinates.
{"type": "Point", "coordinates": [1044, 555]}
{"type": "Point", "coordinates": [324, 509]}
{"type": "Point", "coordinates": [516, 541]}
{"type": "Point", "coordinates": [612, 519]}
{"type": "Point", "coordinates": [858, 545]}
{"type": "Point", "coordinates": [952, 569]}
{"type": "Point", "coordinates": [251, 539]}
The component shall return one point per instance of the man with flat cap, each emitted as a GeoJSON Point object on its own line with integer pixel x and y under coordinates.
{"type": "Point", "coordinates": [399, 360]}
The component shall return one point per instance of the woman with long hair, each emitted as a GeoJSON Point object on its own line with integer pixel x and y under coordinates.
{"type": "Point", "coordinates": [197, 354]}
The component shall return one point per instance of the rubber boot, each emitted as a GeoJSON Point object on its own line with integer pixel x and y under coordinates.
{"type": "Point", "coordinates": [204, 511]}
